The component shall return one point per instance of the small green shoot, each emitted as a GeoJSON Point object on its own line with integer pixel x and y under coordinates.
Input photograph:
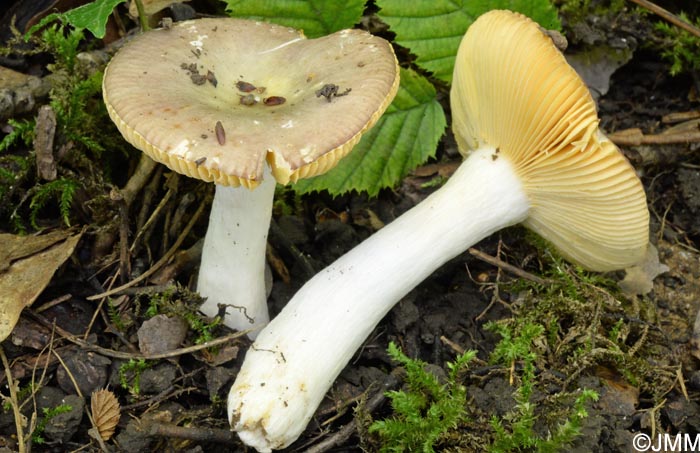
{"type": "Point", "coordinates": [516, 431]}
{"type": "Point", "coordinates": [22, 132]}
{"type": "Point", "coordinates": [114, 316]}
{"type": "Point", "coordinates": [169, 303]}
{"type": "Point", "coordinates": [202, 328]}
{"type": "Point", "coordinates": [48, 414]}
{"type": "Point", "coordinates": [682, 49]}
{"type": "Point", "coordinates": [427, 409]}
{"type": "Point", "coordinates": [62, 189]}
{"type": "Point", "coordinates": [130, 375]}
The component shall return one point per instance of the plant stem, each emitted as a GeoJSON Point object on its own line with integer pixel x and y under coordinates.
{"type": "Point", "coordinates": [21, 446]}
{"type": "Point", "coordinates": [143, 19]}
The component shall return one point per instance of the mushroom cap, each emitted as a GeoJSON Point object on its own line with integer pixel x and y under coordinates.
{"type": "Point", "coordinates": [512, 89]}
{"type": "Point", "coordinates": [215, 99]}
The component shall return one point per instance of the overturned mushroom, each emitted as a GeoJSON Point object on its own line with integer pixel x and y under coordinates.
{"type": "Point", "coordinates": [203, 130]}
{"type": "Point", "coordinates": [534, 155]}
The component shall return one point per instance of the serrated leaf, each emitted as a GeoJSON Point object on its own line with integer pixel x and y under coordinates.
{"type": "Point", "coordinates": [92, 16]}
{"type": "Point", "coordinates": [403, 138]}
{"type": "Point", "coordinates": [315, 17]}
{"type": "Point", "coordinates": [105, 412]}
{"type": "Point", "coordinates": [433, 29]}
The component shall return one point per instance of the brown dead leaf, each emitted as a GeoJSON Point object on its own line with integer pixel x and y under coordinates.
{"type": "Point", "coordinates": [27, 264]}
{"type": "Point", "coordinates": [105, 412]}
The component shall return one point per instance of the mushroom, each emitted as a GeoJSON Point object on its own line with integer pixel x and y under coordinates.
{"type": "Point", "coordinates": [534, 155]}
{"type": "Point", "coordinates": [235, 102]}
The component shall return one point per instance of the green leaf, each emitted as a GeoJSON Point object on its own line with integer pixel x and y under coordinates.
{"type": "Point", "coordinates": [92, 16]}
{"type": "Point", "coordinates": [315, 17]}
{"type": "Point", "coordinates": [433, 29]}
{"type": "Point", "coordinates": [403, 138]}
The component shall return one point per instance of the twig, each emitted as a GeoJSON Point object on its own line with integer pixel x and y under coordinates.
{"type": "Point", "coordinates": [53, 303]}
{"type": "Point", "coordinates": [154, 216]}
{"type": "Point", "coordinates": [507, 267]}
{"type": "Point", "coordinates": [667, 15]}
{"type": "Point", "coordinates": [141, 176]}
{"type": "Point", "coordinates": [129, 355]}
{"type": "Point", "coordinates": [166, 394]}
{"type": "Point", "coordinates": [454, 346]}
{"type": "Point", "coordinates": [343, 434]}
{"type": "Point", "coordinates": [182, 261]}
{"type": "Point", "coordinates": [197, 434]}
{"type": "Point", "coordinates": [69, 373]}
{"type": "Point", "coordinates": [15, 403]}
{"type": "Point", "coordinates": [635, 137]}
{"type": "Point", "coordinates": [679, 117]}
{"type": "Point", "coordinates": [124, 256]}
{"type": "Point", "coordinates": [164, 259]}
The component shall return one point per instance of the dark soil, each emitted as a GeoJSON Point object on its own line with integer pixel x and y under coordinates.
{"type": "Point", "coordinates": [649, 382]}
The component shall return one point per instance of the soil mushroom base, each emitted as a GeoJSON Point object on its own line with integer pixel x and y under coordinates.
{"type": "Point", "coordinates": [285, 377]}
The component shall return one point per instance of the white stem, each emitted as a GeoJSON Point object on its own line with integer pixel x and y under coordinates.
{"type": "Point", "coordinates": [296, 358]}
{"type": "Point", "coordinates": [232, 270]}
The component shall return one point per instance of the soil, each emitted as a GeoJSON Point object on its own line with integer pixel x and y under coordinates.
{"type": "Point", "coordinates": [647, 374]}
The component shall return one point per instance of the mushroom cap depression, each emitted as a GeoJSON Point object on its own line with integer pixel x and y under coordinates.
{"type": "Point", "coordinates": [216, 99]}
{"type": "Point", "coordinates": [512, 89]}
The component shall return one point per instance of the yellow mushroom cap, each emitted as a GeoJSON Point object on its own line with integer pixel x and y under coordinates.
{"type": "Point", "coordinates": [183, 96]}
{"type": "Point", "coordinates": [512, 89]}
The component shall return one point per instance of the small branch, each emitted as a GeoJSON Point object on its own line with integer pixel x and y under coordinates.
{"type": "Point", "coordinates": [507, 267]}
{"type": "Point", "coordinates": [15, 402]}
{"type": "Point", "coordinates": [220, 436]}
{"type": "Point", "coordinates": [128, 355]}
{"type": "Point", "coordinates": [164, 259]}
{"type": "Point", "coordinates": [679, 117]}
{"type": "Point", "coordinates": [668, 16]}
{"type": "Point", "coordinates": [141, 176]}
{"type": "Point", "coordinates": [182, 261]}
{"type": "Point", "coordinates": [143, 18]}
{"type": "Point", "coordinates": [124, 256]}
{"type": "Point", "coordinates": [635, 137]}
{"type": "Point", "coordinates": [343, 434]}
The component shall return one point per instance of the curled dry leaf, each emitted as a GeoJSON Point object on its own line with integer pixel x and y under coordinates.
{"type": "Point", "coordinates": [105, 411]}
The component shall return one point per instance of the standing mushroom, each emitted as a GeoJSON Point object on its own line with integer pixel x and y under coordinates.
{"type": "Point", "coordinates": [236, 102]}
{"type": "Point", "coordinates": [528, 128]}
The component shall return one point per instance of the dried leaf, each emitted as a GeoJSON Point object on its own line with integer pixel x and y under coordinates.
{"type": "Point", "coordinates": [105, 412]}
{"type": "Point", "coordinates": [27, 264]}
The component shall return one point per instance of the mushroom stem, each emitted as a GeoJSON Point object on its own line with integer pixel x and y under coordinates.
{"type": "Point", "coordinates": [236, 239]}
{"type": "Point", "coordinates": [296, 357]}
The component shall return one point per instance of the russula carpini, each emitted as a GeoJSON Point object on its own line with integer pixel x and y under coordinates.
{"type": "Point", "coordinates": [246, 104]}
{"type": "Point", "coordinates": [528, 129]}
